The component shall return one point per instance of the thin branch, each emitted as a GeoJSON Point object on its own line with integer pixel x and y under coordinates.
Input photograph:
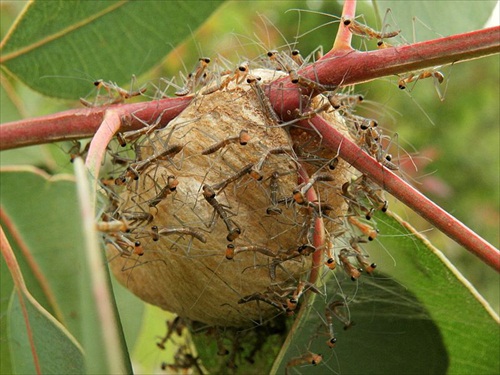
{"type": "Point", "coordinates": [84, 122]}
{"type": "Point", "coordinates": [347, 67]}
{"type": "Point", "coordinates": [344, 67]}
{"type": "Point", "coordinates": [401, 190]}
{"type": "Point", "coordinates": [344, 36]}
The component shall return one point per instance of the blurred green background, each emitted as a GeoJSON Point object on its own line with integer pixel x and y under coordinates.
{"type": "Point", "coordinates": [455, 143]}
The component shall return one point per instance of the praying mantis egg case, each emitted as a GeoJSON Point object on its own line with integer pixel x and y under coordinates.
{"type": "Point", "coordinates": [194, 279]}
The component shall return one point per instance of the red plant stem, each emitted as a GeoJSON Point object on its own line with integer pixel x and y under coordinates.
{"type": "Point", "coordinates": [393, 184]}
{"type": "Point", "coordinates": [22, 293]}
{"type": "Point", "coordinates": [319, 228]}
{"type": "Point", "coordinates": [338, 67]}
{"type": "Point", "coordinates": [346, 67]}
{"type": "Point", "coordinates": [344, 36]}
{"type": "Point", "coordinates": [84, 122]}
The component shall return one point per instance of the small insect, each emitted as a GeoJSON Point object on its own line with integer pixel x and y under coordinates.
{"type": "Point", "coordinates": [314, 85]}
{"type": "Point", "coordinates": [338, 309]}
{"type": "Point", "coordinates": [257, 168]}
{"type": "Point", "coordinates": [367, 230]}
{"type": "Point", "coordinates": [133, 135]}
{"type": "Point", "coordinates": [354, 203]}
{"type": "Point", "coordinates": [243, 138]}
{"type": "Point", "coordinates": [333, 163]}
{"type": "Point", "coordinates": [306, 249]}
{"type": "Point", "coordinates": [262, 297]}
{"type": "Point", "coordinates": [169, 188]}
{"type": "Point", "coordinates": [293, 301]}
{"type": "Point", "coordinates": [329, 320]}
{"type": "Point", "coordinates": [364, 31]}
{"type": "Point", "coordinates": [115, 93]}
{"type": "Point", "coordinates": [256, 249]}
{"type": "Point", "coordinates": [280, 258]}
{"type": "Point", "coordinates": [154, 233]}
{"type": "Point", "coordinates": [195, 77]}
{"type": "Point", "coordinates": [238, 76]}
{"type": "Point", "coordinates": [297, 57]}
{"type": "Point", "coordinates": [163, 231]}
{"type": "Point", "coordinates": [221, 349]}
{"type": "Point", "coordinates": [285, 63]}
{"type": "Point", "coordinates": [436, 75]}
{"type": "Point", "coordinates": [233, 229]}
{"type": "Point", "coordinates": [121, 139]}
{"type": "Point", "coordinates": [124, 94]}
{"type": "Point", "coordinates": [112, 226]}
{"type": "Point", "coordinates": [77, 151]}
{"type": "Point", "coordinates": [368, 267]}
{"type": "Point", "coordinates": [264, 102]}
{"type": "Point", "coordinates": [412, 77]}
{"type": "Point", "coordinates": [299, 193]}
{"type": "Point", "coordinates": [138, 249]}
{"type": "Point", "coordinates": [273, 209]}
{"type": "Point", "coordinates": [135, 169]}
{"type": "Point", "coordinates": [174, 326]}
{"type": "Point", "coordinates": [230, 251]}
{"type": "Point", "coordinates": [310, 114]}
{"type": "Point", "coordinates": [308, 358]}
{"type": "Point", "coordinates": [374, 193]}
{"type": "Point", "coordinates": [136, 218]}
{"type": "Point", "coordinates": [243, 171]}
{"type": "Point", "coordinates": [352, 271]}
{"type": "Point", "coordinates": [330, 258]}
{"type": "Point", "coordinates": [359, 122]}
{"type": "Point", "coordinates": [344, 101]}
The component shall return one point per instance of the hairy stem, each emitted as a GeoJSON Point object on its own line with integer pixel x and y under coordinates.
{"type": "Point", "coordinates": [338, 67]}
{"type": "Point", "coordinates": [401, 190]}
{"type": "Point", "coordinates": [84, 122]}
{"type": "Point", "coordinates": [343, 67]}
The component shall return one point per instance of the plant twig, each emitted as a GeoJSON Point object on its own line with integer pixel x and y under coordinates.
{"type": "Point", "coordinates": [84, 122]}
{"type": "Point", "coordinates": [338, 67]}
{"type": "Point", "coordinates": [347, 67]}
{"type": "Point", "coordinates": [401, 190]}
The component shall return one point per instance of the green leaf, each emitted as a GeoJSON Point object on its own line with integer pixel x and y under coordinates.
{"type": "Point", "coordinates": [49, 243]}
{"type": "Point", "coordinates": [52, 244]}
{"type": "Point", "coordinates": [103, 339]}
{"type": "Point", "coordinates": [55, 45]}
{"type": "Point", "coordinates": [387, 319]}
{"type": "Point", "coordinates": [57, 351]}
{"type": "Point", "coordinates": [435, 18]}
{"type": "Point", "coordinates": [420, 307]}
{"type": "Point", "coordinates": [467, 323]}
{"type": "Point", "coordinates": [6, 287]}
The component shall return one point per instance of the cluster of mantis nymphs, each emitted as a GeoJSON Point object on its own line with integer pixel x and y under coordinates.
{"type": "Point", "coordinates": [147, 167]}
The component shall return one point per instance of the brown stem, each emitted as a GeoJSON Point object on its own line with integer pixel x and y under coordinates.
{"type": "Point", "coordinates": [393, 184]}
{"type": "Point", "coordinates": [346, 67]}
{"type": "Point", "coordinates": [338, 67]}
{"type": "Point", "coordinates": [344, 36]}
{"type": "Point", "coordinates": [84, 122]}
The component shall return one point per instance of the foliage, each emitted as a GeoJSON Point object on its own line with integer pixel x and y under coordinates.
{"type": "Point", "coordinates": [422, 300]}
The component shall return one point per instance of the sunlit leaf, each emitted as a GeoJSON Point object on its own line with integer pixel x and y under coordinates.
{"type": "Point", "coordinates": [37, 342]}
{"type": "Point", "coordinates": [418, 308]}
{"type": "Point", "coordinates": [51, 246]}
{"type": "Point", "coordinates": [60, 47]}
{"type": "Point", "coordinates": [57, 352]}
{"type": "Point", "coordinates": [468, 325]}
{"type": "Point", "coordinates": [103, 339]}
{"type": "Point", "coordinates": [50, 237]}
{"type": "Point", "coordinates": [434, 19]}
{"type": "Point", "coordinates": [6, 287]}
